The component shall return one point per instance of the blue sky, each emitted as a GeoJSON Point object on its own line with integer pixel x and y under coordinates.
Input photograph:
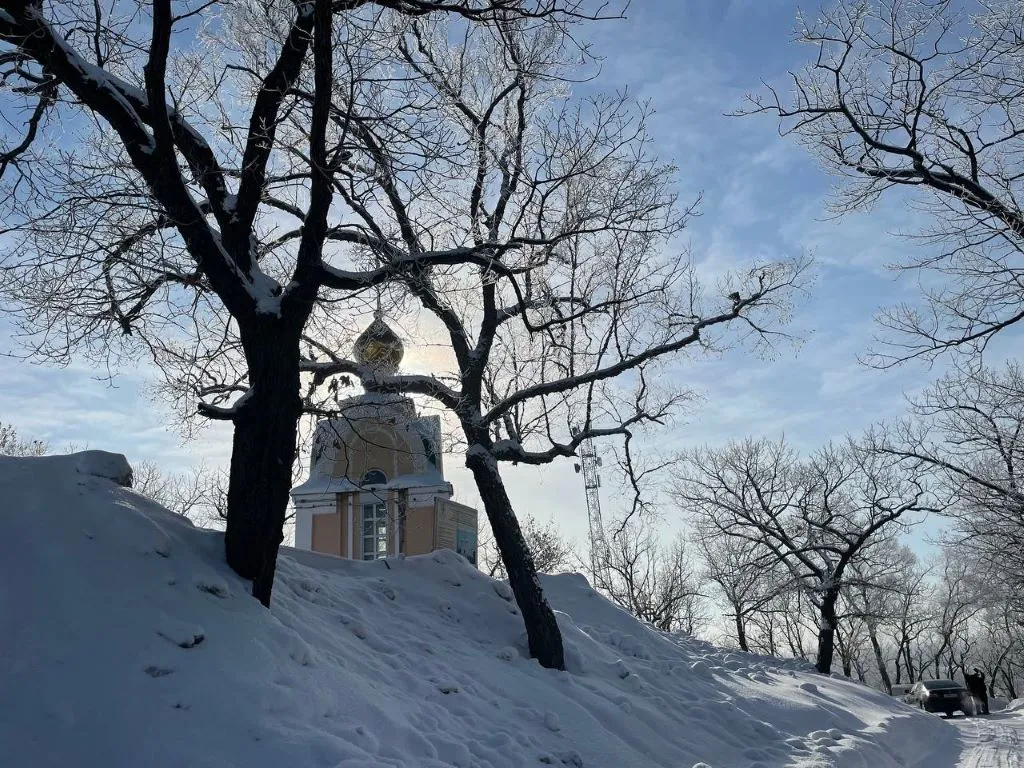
{"type": "Point", "coordinates": [763, 196]}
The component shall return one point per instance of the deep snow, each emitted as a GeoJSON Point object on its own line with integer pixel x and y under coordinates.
{"type": "Point", "coordinates": [126, 641]}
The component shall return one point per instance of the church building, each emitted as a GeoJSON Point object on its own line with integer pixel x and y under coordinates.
{"type": "Point", "coordinates": [376, 484]}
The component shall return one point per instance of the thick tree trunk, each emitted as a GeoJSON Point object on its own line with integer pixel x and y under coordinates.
{"type": "Point", "coordinates": [827, 632]}
{"type": "Point", "coordinates": [883, 670]}
{"type": "Point", "coordinates": [542, 631]}
{"type": "Point", "coordinates": [741, 632]}
{"type": "Point", "coordinates": [262, 454]}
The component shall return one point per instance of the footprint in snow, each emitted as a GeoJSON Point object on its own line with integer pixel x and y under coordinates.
{"type": "Point", "coordinates": [620, 669]}
{"type": "Point", "coordinates": [163, 548]}
{"type": "Point", "coordinates": [180, 633]}
{"type": "Point", "coordinates": [571, 759]}
{"type": "Point", "coordinates": [212, 586]}
{"type": "Point", "coordinates": [303, 654]}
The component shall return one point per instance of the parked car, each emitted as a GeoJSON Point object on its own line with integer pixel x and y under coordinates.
{"type": "Point", "coordinates": [900, 690]}
{"type": "Point", "coordinates": [946, 696]}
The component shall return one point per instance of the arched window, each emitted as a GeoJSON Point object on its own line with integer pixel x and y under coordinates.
{"type": "Point", "coordinates": [374, 477]}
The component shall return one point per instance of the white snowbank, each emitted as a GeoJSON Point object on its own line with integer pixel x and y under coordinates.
{"type": "Point", "coordinates": [127, 642]}
{"type": "Point", "coordinates": [113, 466]}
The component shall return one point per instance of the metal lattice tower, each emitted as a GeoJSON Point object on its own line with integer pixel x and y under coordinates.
{"type": "Point", "coordinates": [590, 462]}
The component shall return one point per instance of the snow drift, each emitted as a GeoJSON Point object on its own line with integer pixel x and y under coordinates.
{"type": "Point", "coordinates": [128, 642]}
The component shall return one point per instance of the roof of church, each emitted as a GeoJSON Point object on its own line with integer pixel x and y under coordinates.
{"type": "Point", "coordinates": [344, 485]}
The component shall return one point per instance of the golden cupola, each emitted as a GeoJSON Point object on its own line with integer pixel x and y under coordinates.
{"type": "Point", "coordinates": [379, 347]}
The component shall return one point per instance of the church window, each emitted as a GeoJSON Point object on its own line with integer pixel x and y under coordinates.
{"type": "Point", "coordinates": [375, 531]}
{"type": "Point", "coordinates": [374, 477]}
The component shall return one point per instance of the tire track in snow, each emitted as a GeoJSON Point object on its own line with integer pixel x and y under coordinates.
{"type": "Point", "coordinates": [992, 743]}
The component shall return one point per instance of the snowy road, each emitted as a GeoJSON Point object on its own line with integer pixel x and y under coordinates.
{"type": "Point", "coordinates": [996, 741]}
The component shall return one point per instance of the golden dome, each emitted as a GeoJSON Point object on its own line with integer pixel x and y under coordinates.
{"type": "Point", "coordinates": [379, 347]}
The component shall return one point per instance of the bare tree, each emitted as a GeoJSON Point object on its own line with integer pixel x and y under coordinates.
{"type": "Point", "coordinates": [552, 552]}
{"type": "Point", "coordinates": [192, 230]}
{"type": "Point", "coordinates": [655, 582]}
{"type": "Point", "coordinates": [957, 602]}
{"type": "Point", "coordinates": [530, 224]}
{"type": "Point", "coordinates": [11, 443]}
{"type": "Point", "coordinates": [968, 430]}
{"type": "Point", "coordinates": [819, 518]}
{"type": "Point", "coordinates": [924, 97]}
{"type": "Point", "coordinates": [558, 338]}
{"type": "Point", "coordinates": [911, 618]}
{"type": "Point", "coordinates": [999, 650]}
{"type": "Point", "coordinates": [785, 624]}
{"type": "Point", "coordinates": [199, 494]}
{"type": "Point", "coordinates": [892, 600]}
{"type": "Point", "coordinates": [850, 640]}
{"type": "Point", "coordinates": [945, 625]}
{"type": "Point", "coordinates": [747, 577]}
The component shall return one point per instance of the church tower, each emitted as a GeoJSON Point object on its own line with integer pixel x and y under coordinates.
{"type": "Point", "coordinates": [376, 484]}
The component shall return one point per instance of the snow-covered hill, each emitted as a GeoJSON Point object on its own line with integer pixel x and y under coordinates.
{"type": "Point", "coordinates": [126, 641]}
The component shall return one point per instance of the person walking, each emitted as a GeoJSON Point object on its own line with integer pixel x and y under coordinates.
{"type": "Point", "coordinates": [982, 690]}
{"type": "Point", "coordinates": [976, 687]}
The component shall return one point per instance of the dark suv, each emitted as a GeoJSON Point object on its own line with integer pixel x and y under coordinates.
{"type": "Point", "coordinates": [946, 696]}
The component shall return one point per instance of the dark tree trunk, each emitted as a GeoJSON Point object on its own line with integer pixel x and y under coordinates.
{"type": "Point", "coordinates": [542, 631]}
{"type": "Point", "coordinates": [909, 657]}
{"type": "Point", "coordinates": [883, 671]}
{"type": "Point", "coordinates": [1011, 689]}
{"type": "Point", "coordinates": [741, 632]}
{"type": "Point", "coordinates": [794, 649]}
{"type": "Point", "coordinates": [262, 453]}
{"type": "Point", "coordinates": [773, 646]}
{"type": "Point", "coordinates": [899, 665]}
{"type": "Point", "coordinates": [827, 631]}
{"type": "Point", "coordinates": [845, 655]}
